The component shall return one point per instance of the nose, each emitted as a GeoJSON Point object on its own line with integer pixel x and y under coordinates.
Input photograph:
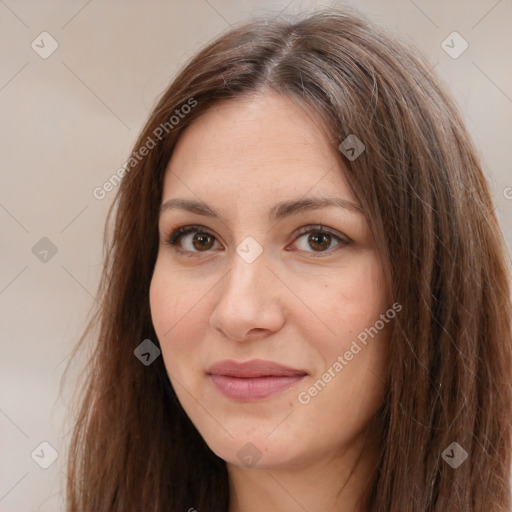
{"type": "Point", "coordinates": [248, 305]}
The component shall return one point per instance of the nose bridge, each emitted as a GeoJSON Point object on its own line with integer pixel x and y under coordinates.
{"type": "Point", "coordinates": [245, 302]}
{"type": "Point", "coordinates": [248, 263]}
{"type": "Point", "coordinates": [246, 280]}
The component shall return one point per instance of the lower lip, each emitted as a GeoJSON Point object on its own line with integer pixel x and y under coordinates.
{"type": "Point", "coordinates": [255, 388]}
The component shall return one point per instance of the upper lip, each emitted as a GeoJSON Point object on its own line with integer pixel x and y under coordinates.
{"type": "Point", "coordinates": [252, 369]}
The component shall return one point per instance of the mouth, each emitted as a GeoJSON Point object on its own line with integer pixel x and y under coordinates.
{"type": "Point", "coordinates": [253, 380]}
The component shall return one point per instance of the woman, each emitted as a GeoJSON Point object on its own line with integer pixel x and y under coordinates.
{"type": "Point", "coordinates": [305, 303]}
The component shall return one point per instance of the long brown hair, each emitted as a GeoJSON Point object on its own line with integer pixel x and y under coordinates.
{"type": "Point", "coordinates": [428, 204]}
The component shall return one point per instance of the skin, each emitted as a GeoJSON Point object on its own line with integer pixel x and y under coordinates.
{"type": "Point", "coordinates": [295, 304]}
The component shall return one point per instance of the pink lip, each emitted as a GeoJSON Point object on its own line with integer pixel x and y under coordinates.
{"type": "Point", "coordinates": [253, 380]}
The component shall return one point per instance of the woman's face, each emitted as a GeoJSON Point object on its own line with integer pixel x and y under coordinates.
{"type": "Point", "coordinates": [268, 273]}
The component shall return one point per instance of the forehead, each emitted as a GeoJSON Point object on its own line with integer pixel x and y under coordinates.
{"type": "Point", "coordinates": [263, 144]}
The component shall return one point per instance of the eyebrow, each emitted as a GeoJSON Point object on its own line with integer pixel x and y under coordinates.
{"type": "Point", "coordinates": [276, 213]}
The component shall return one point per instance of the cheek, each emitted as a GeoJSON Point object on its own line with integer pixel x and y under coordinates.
{"type": "Point", "coordinates": [175, 298]}
{"type": "Point", "coordinates": [350, 306]}
{"type": "Point", "coordinates": [364, 283]}
{"type": "Point", "coordinates": [346, 301]}
{"type": "Point", "coordinates": [178, 316]}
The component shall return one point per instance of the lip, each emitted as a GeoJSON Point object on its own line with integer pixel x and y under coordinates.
{"type": "Point", "coordinates": [253, 380]}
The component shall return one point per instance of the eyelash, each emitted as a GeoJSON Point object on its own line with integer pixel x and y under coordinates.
{"type": "Point", "coordinates": [175, 235]}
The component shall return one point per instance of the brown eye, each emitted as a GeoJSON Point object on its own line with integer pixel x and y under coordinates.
{"type": "Point", "coordinates": [193, 239]}
{"type": "Point", "coordinates": [319, 241]}
{"type": "Point", "coordinates": [203, 241]}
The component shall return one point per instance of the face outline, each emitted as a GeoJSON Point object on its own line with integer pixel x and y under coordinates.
{"type": "Point", "coordinates": [291, 305]}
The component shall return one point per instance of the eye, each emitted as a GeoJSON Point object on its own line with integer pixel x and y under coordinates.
{"type": "Point", "coordinates": [319, 239]}
{"type": "Point", "coordinates": [192, 239]}
{"type": "Point", "coordinates": [196, 239]}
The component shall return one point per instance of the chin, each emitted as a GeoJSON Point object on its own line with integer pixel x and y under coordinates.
{"type": "Point", "coordinates": [258, 450]}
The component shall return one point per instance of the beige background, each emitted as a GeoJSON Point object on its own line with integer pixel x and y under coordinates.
{"type": "Point", "coordinates": [68, 123]}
